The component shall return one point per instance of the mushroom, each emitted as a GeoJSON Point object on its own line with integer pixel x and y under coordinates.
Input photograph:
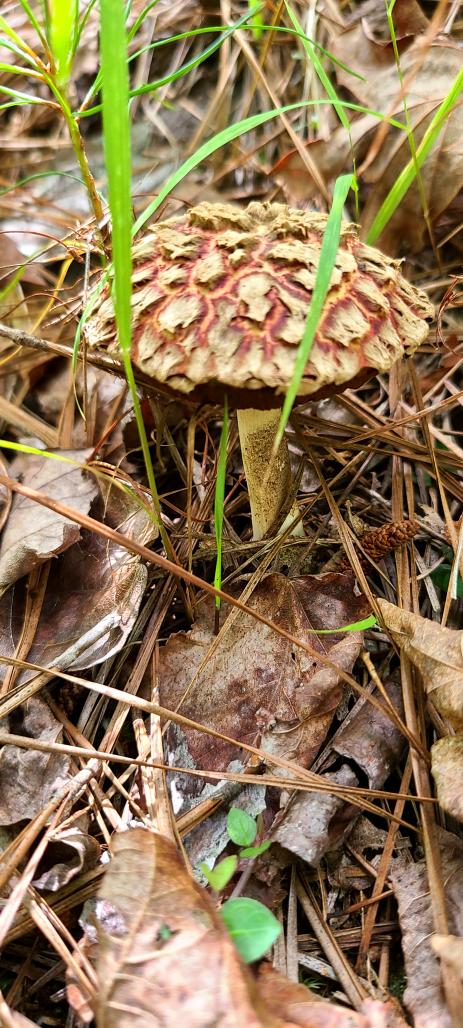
{"type": "Point", "coordinates": [220, 300]}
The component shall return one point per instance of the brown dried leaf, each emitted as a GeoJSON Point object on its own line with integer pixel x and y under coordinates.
{"type": "Point", "coordinates": [315, 823]}
{"type": "Point", "coordinates": [34, 533]}
{"type": "Point", "coordinates": [93, 595]}
{"type": "Point", "coordinates": [29, 779]}
{"type": "Point", "coordinates": [447, 771]}
{"type": "Point", "coordinates": [372, 741]}
{"type": "Point", "coordinates": [13, 1019]}
{"type": "Point", "coordinates": [12, 259]}
{"type": "Point", "coordinates": [409, 20]}
{"type": "Point", "coordinates": [436, 652]}
{"type": "Point", "coordinates": [424, 994]}
{"type": "Point", "coordinates": [70, 851]}
{"type": "Point", "coordinates": [257, 687]}
{"type": "Point", "coordinates": [164, 956]}
{"type": "Point", "coordinates": [298, 1007]}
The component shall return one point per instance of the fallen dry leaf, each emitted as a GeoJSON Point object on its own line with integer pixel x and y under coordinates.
{"type": "Point", "coordinates": [447, 771]}
{"type": "Point", "coordinates": [436, 652]}
{"type": "Point", "coordinates": [29, 779]}
{"type": "Point", "coordinates": [34, 533]}
{"type": "Point", "coordinates": [371, 741]}
{"type": "Point", "coordinates": [257, 687]}
{"type": "Point", "coordinates": [317, 822]}
{"type": "Point", "coordinates": [409, 20]}
{"type": "Point", "coordinates": [93, 595]}
{"type": "Point", "coordinates": [165, 958]}
{"type": "Point", "coordinates": [297, 1006]}
{"type": "Point", "coordinates": [13, 1019]}
{"type": "Point", "coordinates": [164, 955]}
{"type": "Point", "coordinates": [70, 851]}
{"type": "Point", "coordinates": [424, 994]}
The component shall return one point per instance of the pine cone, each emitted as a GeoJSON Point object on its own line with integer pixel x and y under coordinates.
{"type": "Point", "coordinates": [381, 541]}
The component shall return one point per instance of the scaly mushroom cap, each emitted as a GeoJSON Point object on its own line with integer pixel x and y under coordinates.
{"type": "Point", "coordinates": [220, 300]}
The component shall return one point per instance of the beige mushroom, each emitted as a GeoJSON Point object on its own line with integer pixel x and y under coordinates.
{"type": "Point", "coordinates": [220, 300]}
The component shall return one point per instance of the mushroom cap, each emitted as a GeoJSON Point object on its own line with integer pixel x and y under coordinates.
{"type": "Point", "coordinates": [220, 300]}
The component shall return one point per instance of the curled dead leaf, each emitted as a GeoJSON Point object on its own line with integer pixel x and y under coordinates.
{"type": "Point", "coordinates": [257, 687]}
{"type": "Point", "coordinates": [298, 1007]}
{"type": "Point", "coordinates": [69, 852]}
{"type": "Point", "coordinates": [447, 771]}
{"type": "Point", "coordinates": [93, 594]}
{"type": "Point", "coordinates": [164, 955]}
{"type": "Point", "coordinates": [436, 652]}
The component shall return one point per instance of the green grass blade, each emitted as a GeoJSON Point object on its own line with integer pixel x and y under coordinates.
{"type": "Point", "coordinates": [329, 89]}
{"type": "Point", "coordinates": [25, 98]}
{"type": "Point", "coordinates": [319, 69]}
{"type": "Point", "coordinates": [141, 17]}
{"type": "Point", "coordinates": [219, 500]}
{"type": "Point", "coordinates": [355, 626]}
{"type": "Point", "coordinates": [408, 174]}
{"type": "Point", "coordinates": [11, 33]}
{"type": "Point", "coordinates": [62, 29]}
{"type": "Point", "coordinates": [81, 25]}
{"type": "Point", "coordinates": [256, 24]}
{"type": "Point", "coordinates": [150, 87]}
{"type": "Point", "coordinates": [35, 24]}
{"type": "Point", "coordinates": [14, 69]}
{"type": "Point", "coordinates": [208, 29]}
{"type": "Point", "coordinates": [36, 452]}
{"type": "Point", "coordinates": [328, 251]}
{"type": "Point", "coordinates": [116, 138]}
{"type": "Point", "coordinates": [227, 136]}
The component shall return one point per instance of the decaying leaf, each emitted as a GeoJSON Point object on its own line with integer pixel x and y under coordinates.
{"type": "Point", "coordinates": [34, 533]}
{"type": "Point", "coordinates": [372, 741]}
{"type": "Point", "coordinates": [257, 687]}
{"type": "Point", "coordinates": [13, 1019]}
{"type": "Point", "coordinates": [298, 1007]}
{"type": "Point", "coordinates": [436, 652]}
{"type": "Point", "coordinates": [29, 779]}
{"type": "Point", "coordinates": [447, 771]}
{"type": "Point", "coordinates": [318, 822]}
{"type": "Point", "coordinates": [424, 994]}
{"type": "Point", "coordinates": [70, 851]}
{"type": "Point", "coordinates": [165, 958]}
{"type": "Point", "coordinates": [93, 595]}
{"type": "Point", "coordinates": [164, 955]}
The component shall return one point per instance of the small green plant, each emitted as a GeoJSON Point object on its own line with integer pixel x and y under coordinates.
{"type": "Point", "coordinates": [250, 924]}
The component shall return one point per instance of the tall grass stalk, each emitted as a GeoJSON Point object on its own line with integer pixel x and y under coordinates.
{"type": "Point", "coordinates": [409, 173]}
{"type": "Point", "coordinates": [328, 252]}
{"type": "Point", "coordinates": [117, 151]}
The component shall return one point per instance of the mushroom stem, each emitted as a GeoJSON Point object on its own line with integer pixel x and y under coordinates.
{"type": "Point", "coordinates": [268, 477]}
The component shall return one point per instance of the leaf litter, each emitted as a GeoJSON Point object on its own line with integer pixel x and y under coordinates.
{"type": "Point", "coordinates": [86, 605]}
